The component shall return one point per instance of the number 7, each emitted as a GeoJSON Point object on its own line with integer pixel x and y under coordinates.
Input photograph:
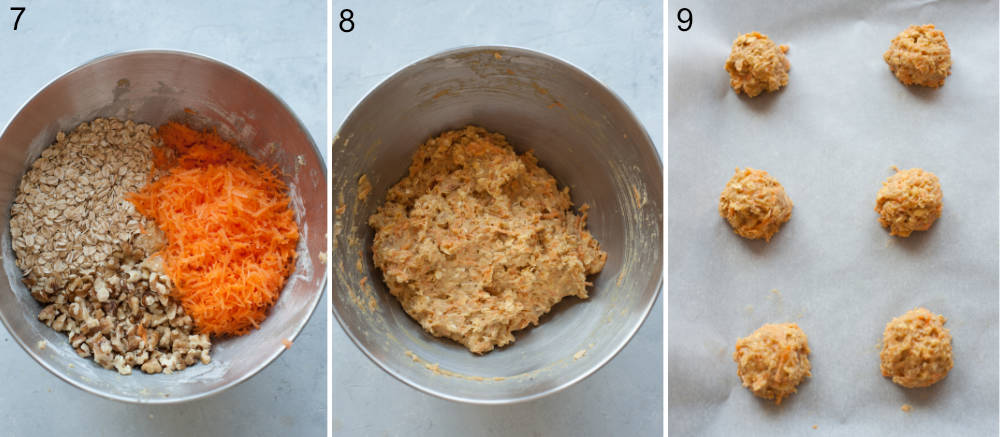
{"type": "Point", "coordinates": [18, 19]}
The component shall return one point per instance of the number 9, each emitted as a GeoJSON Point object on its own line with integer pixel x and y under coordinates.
{"type": "Point", "coordinates": [689, 20]}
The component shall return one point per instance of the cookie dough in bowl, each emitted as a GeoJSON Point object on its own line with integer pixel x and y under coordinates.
{"type": "Point", "coordinates": [477, 242]}
{"type": "Point", "coordinates": [588, 143]}
{"type": "Point", "coordinates": [919, 55]}
{"type": "Point", "coordinates": [916, 349]}
{"type": "Point", "coordinates": [908, 201]}
{"type": "Point", "coordinates": [773, 360]}
{"type": "Point", "coordinates": [755, 204]}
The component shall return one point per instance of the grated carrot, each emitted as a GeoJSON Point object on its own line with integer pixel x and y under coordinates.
{"type": "Point", "coordinates": [231, 235]}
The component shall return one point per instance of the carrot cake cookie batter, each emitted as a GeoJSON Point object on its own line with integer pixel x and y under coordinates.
{"type": "Point", "coordinates": [919, 55]}
{"type": "Point", "coordinates": [756, 64]}
{"type": "Point", "coordinates": [755, 204]}
{"type": "Point", "coordinates": [916, 349]}
{"type": "Point", "coordinates": [477, 242]}
{"type": "Point", "coordinates": [908, 201]}
{"type": "Point", "coordinates": [773, 360]}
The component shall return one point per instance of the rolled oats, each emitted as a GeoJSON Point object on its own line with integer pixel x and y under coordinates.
{"type": "Point", "coordinates": [88, 255]}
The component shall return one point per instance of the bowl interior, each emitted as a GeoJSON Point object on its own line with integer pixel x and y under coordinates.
{"type": "Point", "coordinates": [583, 135]}
{"type": "Point", "coordinates": [154, 87]}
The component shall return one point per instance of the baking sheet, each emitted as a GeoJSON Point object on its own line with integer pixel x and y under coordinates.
{"type": "Point", "coordinates": [830, 137]}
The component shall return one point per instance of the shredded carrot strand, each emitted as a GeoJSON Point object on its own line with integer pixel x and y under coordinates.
{"type": "Point", "coordinates": [231, 235]}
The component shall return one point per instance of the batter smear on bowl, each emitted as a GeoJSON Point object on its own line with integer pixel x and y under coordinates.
{"type": "Point", "coordinates": [477, 242]}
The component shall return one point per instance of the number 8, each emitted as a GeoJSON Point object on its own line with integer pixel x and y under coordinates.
{"type": "Point", "coordinates": [346, 20]}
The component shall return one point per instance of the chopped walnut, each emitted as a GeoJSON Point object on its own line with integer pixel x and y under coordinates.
{"type": "Point", "coordinates": [90, 256]}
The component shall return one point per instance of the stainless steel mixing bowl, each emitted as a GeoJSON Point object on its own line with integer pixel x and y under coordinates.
{"type": "Point", "coordinates": [583, 134]}
{"type": "Point", "coordinates": [153, 87]}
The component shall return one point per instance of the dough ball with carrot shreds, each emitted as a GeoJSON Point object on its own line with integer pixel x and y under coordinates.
{"type": "Point", "coordinates": [919, 55]}
{"type": "Point", "coordinates": [908, 201]}
{"type": "Point", "coordinates": [773, 360]}
{"type": "Point", "coordinates": [756, 64]}
{"type": "Point", "coordinates": [916, 349]}
{"type": "Point", "coordinates": [755, 204]}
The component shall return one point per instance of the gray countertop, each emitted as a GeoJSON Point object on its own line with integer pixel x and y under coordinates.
{"type": "Point", "coordinates": [283, 45]}
{"type": "Point", "coordinates": [619, 43]}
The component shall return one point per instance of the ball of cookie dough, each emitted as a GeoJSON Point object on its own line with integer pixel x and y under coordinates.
{"type": "Point", "coordinates": [908, 201]}
{"type": "Point", "coordinates": [773, 360]}
{"type": "Point", "coordinates": [754, 204]}
{"type": "Point", "coordinates": [756, 64]}
{"type": "Point", "coordinates": [916, 349]}
{"type": "Point", "coordinates": [919, 55]}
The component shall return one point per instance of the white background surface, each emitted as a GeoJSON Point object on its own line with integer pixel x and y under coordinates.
{"type": "Point", "coordinates": [619, 43]}
{"type": "Point", "coordinates": [280, 43]}
{"type": "Point", "coordinates": [830, 137]}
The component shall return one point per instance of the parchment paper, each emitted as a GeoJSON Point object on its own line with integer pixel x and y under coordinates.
{"type": "Point", "coordinates": [830, 138]}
